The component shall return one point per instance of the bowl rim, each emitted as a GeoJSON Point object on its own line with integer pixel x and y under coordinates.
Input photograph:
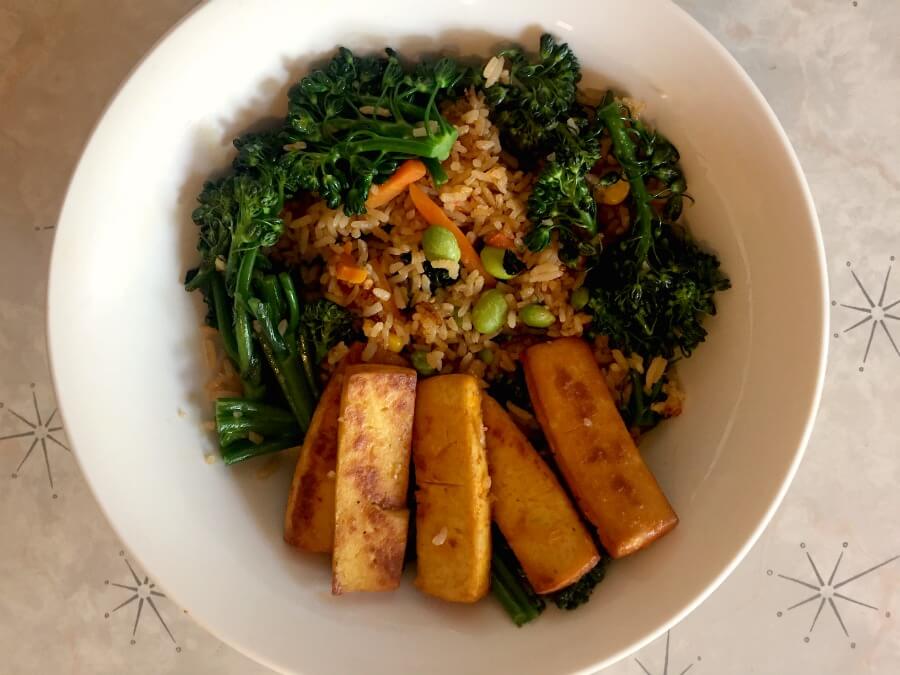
{"type": "Point", "coordinates": [811, 405]}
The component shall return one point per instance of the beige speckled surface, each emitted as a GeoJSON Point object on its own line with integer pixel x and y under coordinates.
{"type": "Point", "coordinates": [830, 69]}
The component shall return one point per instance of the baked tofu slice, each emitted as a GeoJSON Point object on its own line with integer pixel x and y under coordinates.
{"type": "Point", "coordinates": [592, 447]}
{"type": "Point", "coordinates": [531, 508]}
{"type": "Point", "coordinates": [371, 516]}
{"type": "Point", "coordinates": [453, 517]}
{"type": "Point", "coordinates": [309, 517]}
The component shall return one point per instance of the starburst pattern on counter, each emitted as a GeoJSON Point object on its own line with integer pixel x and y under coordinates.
{"type": "Point", "coordinates": [826, 592]}
{"type": "Point", "coordinates": [665, 665]}
{"type": "Point", "coordinates": [35, 431]}
{"type": "Point", "coordinates": [874, 317]}
{"type": "Point", "coordinates": [142, 591]}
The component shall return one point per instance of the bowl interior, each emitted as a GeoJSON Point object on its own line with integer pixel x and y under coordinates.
{"type": "Point", "coordinates": [126, 349]}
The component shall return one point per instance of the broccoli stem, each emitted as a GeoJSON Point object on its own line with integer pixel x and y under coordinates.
{"type": "Point", "coordinates": [438, 175]}
{"type": "Point", "coordinates": [437, 146]}
{"type": "Point", "coordinates": [290, 298]}
{"type": "Point", "coordinates": [625, 151]}
{"type": "Point", "coordinates": [241, 450]}
{"type": "Point", "coordinates": [247, 357]}
{"type": "Point", "coordinates": [270, 291]}
{"type": "Point", "coordinates": [305, 352]}
{"type": "Point", "coordinates": [302, 348]}
{"type": "Point", "coordinates": [236, 418]}
{"type": "Point", "coordinates": [283, 361]}
{"type": "Point", "coordinates": [510, 587]}
{"type": "Point", "coordinates": [224, 319]}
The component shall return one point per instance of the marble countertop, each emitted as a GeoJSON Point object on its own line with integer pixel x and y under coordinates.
{"type": "Point", "coordinates": [819, 593]}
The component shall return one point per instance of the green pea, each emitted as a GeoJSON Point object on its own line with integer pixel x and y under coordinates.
{"type": "Point", "coordinates": [438, 243]}
{"type": "Point", "coordinates": [536, 316]}
{"type": "Point", "coordinates": [492, 257]}
{"type": "Point", "coordinates": [420, 363]}
{"type": "Point", "coordinates": [489, 313]}
{"type": "Point", "coordinates": [580, 297]}
{"type": "Point", "coordinates": [487, 356]}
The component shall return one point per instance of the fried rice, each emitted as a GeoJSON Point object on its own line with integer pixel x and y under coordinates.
{"type": "Point", "coordinates": [486, 195]}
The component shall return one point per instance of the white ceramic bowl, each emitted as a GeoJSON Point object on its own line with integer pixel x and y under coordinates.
{"type": "Point", "coordinates": [124, 339]}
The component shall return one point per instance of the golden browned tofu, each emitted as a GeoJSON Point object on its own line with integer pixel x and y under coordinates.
{"type": "Point", "coordinates": [309, 517]}
{"type": "Point", "coordinates": [531, 508]}
{"type": "Point", "coordinates": [592, 447]}
{"type": "Point", "coordinates": [453, 519]}
{"type": "Point", "coordinates": [371, 516]}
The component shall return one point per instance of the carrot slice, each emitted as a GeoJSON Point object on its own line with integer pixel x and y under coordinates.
{"type": "Point", "coordinates": [434, 215]}
{"type": "Point", "coordinates": [409, 172]}
{"type": "Point", "coordinates": [350, 273]}
{"type": "Point", "coordinates": [500, 240]}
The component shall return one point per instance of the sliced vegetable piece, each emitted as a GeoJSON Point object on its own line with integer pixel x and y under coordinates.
{"type": "Point", "coordinates": [434, 215]}
{"type": "Point", "coordinates": [371, 518]}
{"type": "Point", "coordinates": [592, 447]}
{"type": "Point", "coordinates": [408, 172]}
{"type": "Point", "coordinates": [500, 240]}
{"type": "Point", "coordinates": [615, 194]}
{"type": "Point", "coordinates": [531, 508]}
{"type": "Point", "coordinates": [350, 272]}
{"type": "Point", "coordinates": [453, 515]}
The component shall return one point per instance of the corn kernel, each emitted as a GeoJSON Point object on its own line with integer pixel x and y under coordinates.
{"type": "Point", "coordinates": [616, 193]}
{"type": "Point", "coordinates": [395, 343]}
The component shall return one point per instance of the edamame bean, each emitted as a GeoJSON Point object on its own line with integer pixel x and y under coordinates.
{"type": "Point", "coordinates": [487, 356]}
{"type": "Point", "coordinates": [536, 316]}
{"type": "Point", "coordinates": [489, 313]}
{"type": "Point", "coordinates": [420, 362]}
{"type": "Point", "coordinates": [580, 297]}
{"type": "Point", "coordinates": [438, 243]}
{"type": "Point", "coordinates": [492, 259]}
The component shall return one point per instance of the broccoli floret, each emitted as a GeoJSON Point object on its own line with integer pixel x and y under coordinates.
{"type": "Point", "coordinates": [579, 593]}
{"type": "Point", "coordinates": [562, 200]}
{"type": "Point", "coordinates": [541, 122]}
{"type": "Point", "coordinates": [351, 123]}
{"type": "Point", "coordinates": [324, 324]}
{"type": "Point", "coordinates": [537, 99]}
{"type": "Point", "coordinates": [237, 215]}
{"type": "Point", "coordinates": [654, 305]}
{"type": "Point", "coordinates": [651, 291]}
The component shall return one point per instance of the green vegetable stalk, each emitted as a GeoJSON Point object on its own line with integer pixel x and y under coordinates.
{"type": "Point", "coordinates": [509, 585]}
{"type": "Point", "coordinates": [625, 152]}
{"type": "Point", "coordinates": [282, 354]}
{"type": "Point", "coordinates": [249, 428]}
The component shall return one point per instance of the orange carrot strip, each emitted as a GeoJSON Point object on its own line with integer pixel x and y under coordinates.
{"type": "Point", "coordinates": [500, 240]}
{"type": "Point", "coordinates": [409, 172]}
{"type": "Point", "coordinates": [351, 273]}
{"type": "Point", "coordinates": [434, 215]}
